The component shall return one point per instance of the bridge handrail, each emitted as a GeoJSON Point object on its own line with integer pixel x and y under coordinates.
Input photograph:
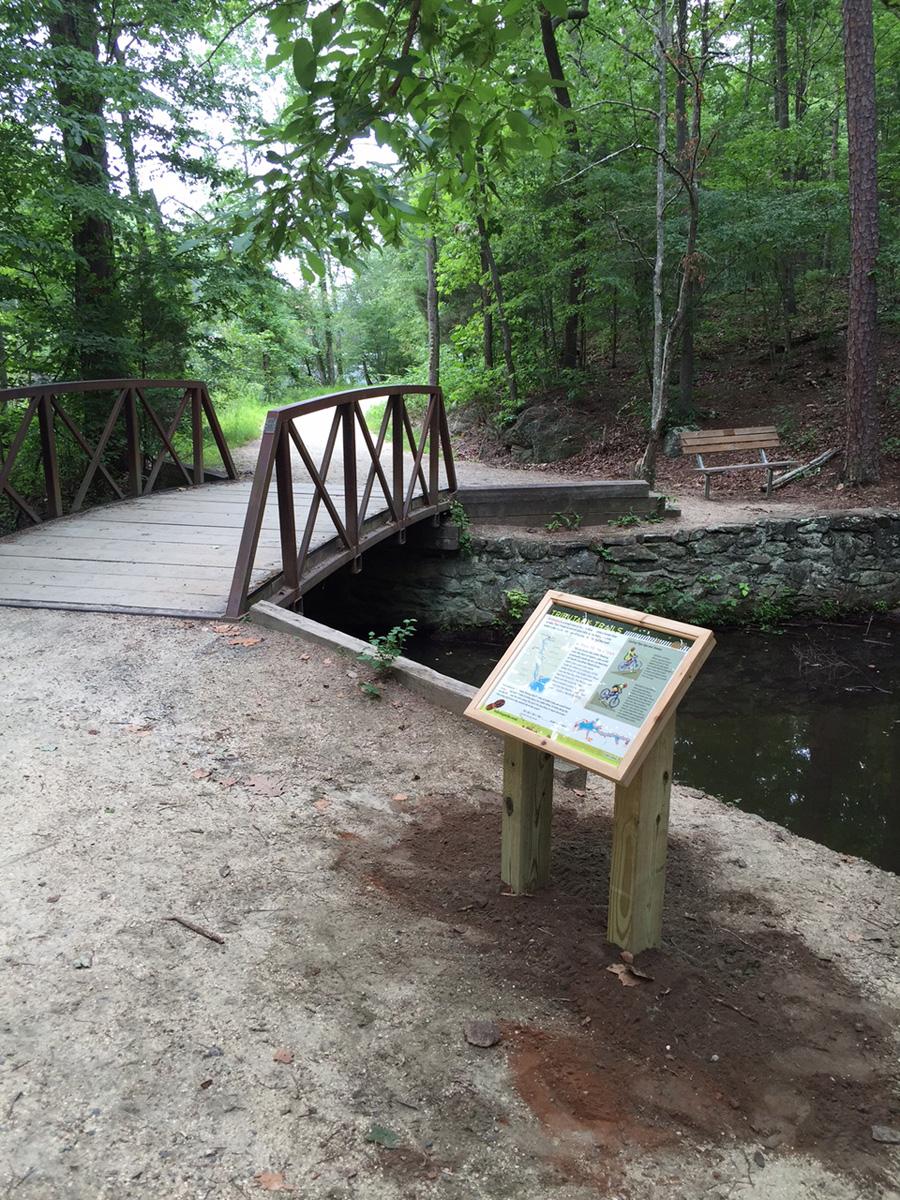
{"type": "Point", "coordinates": [130, 400]}
{"type": "Point", "coordinates": [354, 532]}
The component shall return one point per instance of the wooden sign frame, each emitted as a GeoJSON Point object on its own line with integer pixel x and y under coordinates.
{"type": "Point", "coordinates": [702, 643]}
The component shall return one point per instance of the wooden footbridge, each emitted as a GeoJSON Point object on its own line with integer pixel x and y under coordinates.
{"type": "Point", "coordinates": [117, 511]}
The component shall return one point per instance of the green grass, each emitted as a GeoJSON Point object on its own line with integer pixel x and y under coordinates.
{"type": "Point", "coordinates": [242, 418]}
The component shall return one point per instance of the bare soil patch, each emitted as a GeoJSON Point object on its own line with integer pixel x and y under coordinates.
{"type": "Point", "coordinates": [347, 852]}
{"type": "Point", "coordinates": [733, 1037]}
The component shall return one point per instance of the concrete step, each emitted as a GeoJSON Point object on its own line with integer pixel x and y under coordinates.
{"type": "Point", "coordinates": [537, 503]}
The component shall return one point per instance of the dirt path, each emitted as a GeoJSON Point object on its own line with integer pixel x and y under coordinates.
{"type": "Point", "coordinates": [346, 850]}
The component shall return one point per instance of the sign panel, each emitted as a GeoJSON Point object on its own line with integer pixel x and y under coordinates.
{"type": "Point", "coordinates": [591, 682]}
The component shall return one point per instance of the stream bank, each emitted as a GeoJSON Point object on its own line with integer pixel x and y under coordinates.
{"type": "Point", "coordinates": [755, 572]}
{"type": "Point", "coordinates": [797, 725]}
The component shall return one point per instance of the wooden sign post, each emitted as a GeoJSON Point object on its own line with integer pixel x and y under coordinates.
{"type": "Point", "coordinates": [597, 685]}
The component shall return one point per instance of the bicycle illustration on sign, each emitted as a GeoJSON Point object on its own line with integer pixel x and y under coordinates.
{"type": "Point", "coordinates": [630, 664]}
{"type": "Point", "coordinates": [611, 697]}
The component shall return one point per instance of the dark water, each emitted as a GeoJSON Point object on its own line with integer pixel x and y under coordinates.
{"type": "Point", "coordinates": [802, 727]}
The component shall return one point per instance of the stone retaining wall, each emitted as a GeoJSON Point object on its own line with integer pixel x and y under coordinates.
{"type": "Point", "coordinates": [762, 572]}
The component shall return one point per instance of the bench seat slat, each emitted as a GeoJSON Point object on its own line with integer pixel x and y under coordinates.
{"type": "Point", "coordinates": [767, 434]}
{"type": "Point", "coordinates": [689, 435]}
{"type": "Point", "coordinates": [757, 466]}
{"type": "Point", "coordinates": [745, 448]}
{"type": "Point", "coordinates": [755, 439]}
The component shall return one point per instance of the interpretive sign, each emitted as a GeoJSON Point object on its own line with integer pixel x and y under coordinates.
{"type": "Point", "coordinates": [591, 682]}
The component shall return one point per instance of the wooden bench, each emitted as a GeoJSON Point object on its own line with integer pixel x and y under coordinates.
{"type": "Point", "coordinates": [735, 441]}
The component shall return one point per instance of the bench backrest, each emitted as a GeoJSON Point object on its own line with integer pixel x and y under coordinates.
{"type": "Point", "coordinates": [720, 441]}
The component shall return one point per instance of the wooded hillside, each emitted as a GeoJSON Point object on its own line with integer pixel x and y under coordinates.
{"type": "Point", "coordinates": [247, 193]}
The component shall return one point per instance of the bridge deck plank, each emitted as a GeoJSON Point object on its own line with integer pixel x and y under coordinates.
{"type": "Point", "coordinates": [171, 553]}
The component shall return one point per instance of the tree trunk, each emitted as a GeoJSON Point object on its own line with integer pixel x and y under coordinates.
{"type": "Point", "coordinates": [785, 268]}
{"type": "Point", "coordinates": [72, 30]}
{"type": "Point", "coordinates": [665, 336]}
{"type": "Point", "coordinates": [572, 350]}
{"type": "Point", "coordinates": [782, 116]}
{"type": "Point", "coordinates": [686, 360]}
{"type": "Point", "coordinates": [330, 374]}
{"type": "Point", "coordinates": [487, 316]}
{"type": "Point", "coordinates": [861, 457]}
{"type": "Point", "coordinates": [434, 328]}
{"type": "Point", "coordinates": [659, 372]}
{"type": "Point", "coordinates": [505, 334]}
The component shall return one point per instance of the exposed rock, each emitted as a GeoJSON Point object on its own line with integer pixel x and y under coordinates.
{"type": "Point", "coordinates": [547, 433]}
{"type": "Point", "coordinates": [672, 441]}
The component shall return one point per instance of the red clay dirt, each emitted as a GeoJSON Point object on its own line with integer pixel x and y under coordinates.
{"type": "Point", "coordinates": [732, 1037]}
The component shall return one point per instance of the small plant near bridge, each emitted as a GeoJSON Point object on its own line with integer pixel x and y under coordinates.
{"type": "Point", "coordinates": [384, 652]}
{"type": "Point", "coordinates": [515, 602]}
{"type": "Point", "coordinates": [626, 520]}
{"type": "Point", "coordinates": [563, 520]}
{"type": "Point", "coordinates": [460, 518]}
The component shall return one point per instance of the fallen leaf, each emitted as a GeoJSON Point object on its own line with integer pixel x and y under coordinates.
{"type": "Point", "coordinates": [226, 629]}
{"type": "Point", "coordinates": [380, 1136]}
{"type": "Point", "coordinates": [578, 792]}
{"type": "Point", "coordinates": [205, 1084]}
{"type": "Point", "coordinates": [627, 957]}
{"type": "Point", "coordinates": [201, 773]}
{"type": "Point", "coordinates": [229, 781]}
{"type": "Point", "coordinates": [247, 641]}
{"type": "Point", "coordinates": [322, 804]}
{"type": "Point", "coordinates": [271, 1181]}
{"type": "Point", "coordinates": [482, 1033]}
{"type": "Point", "coordinates": [304, 658]}
{"type": "Point", "coordinates": [853, 937]}
{"type": "Point", "coordinates": [283, 1056]}
{"type": "Point", "coordinates": [265, 785]}
{"type": "Point", "coordinates": [400, 798]}
{"type": "Point", "coordinates": [52, 899]}
{"type": "Point", "coordinates": [623, 972]}
{"type": "Point", "coordinates": [140, 730]}
{"type": "Point", "coordinates": [93, 732]}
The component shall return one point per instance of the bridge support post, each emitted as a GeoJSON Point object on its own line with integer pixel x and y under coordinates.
{"type": "Point", "coordinates": [527, 816]}
{"type": "Point", "coordinates": [133, 443]}
{"type": "Point", "coordinates": [48, 455]}
{"type": "Point", "coordinates": [197, 434]}
{"type": "Point", "coordinates": [348, 443]}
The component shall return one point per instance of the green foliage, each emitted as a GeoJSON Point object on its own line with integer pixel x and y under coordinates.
{"type": "Point", "coordinates": [473, 147]}
{"type": "Point", "coordinates": [627, 520]}
{"type": "Point", "coordinates": [515, 606]}
{"type": "Point", "coordinates": [386, 648]}
{"type": "Point", "coordinates": [460, 518]}
{"type": "Point", "coordinates": [563, 520]}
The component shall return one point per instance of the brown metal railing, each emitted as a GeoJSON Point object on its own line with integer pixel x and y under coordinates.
{"type": "Point", "coordinates": [412, 493]}
{"type": "Point", "coordinates": [129, 406]}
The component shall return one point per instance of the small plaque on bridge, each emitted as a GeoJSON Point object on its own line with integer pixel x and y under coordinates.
{"type": "Point", "coordinates": [591, 682]}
